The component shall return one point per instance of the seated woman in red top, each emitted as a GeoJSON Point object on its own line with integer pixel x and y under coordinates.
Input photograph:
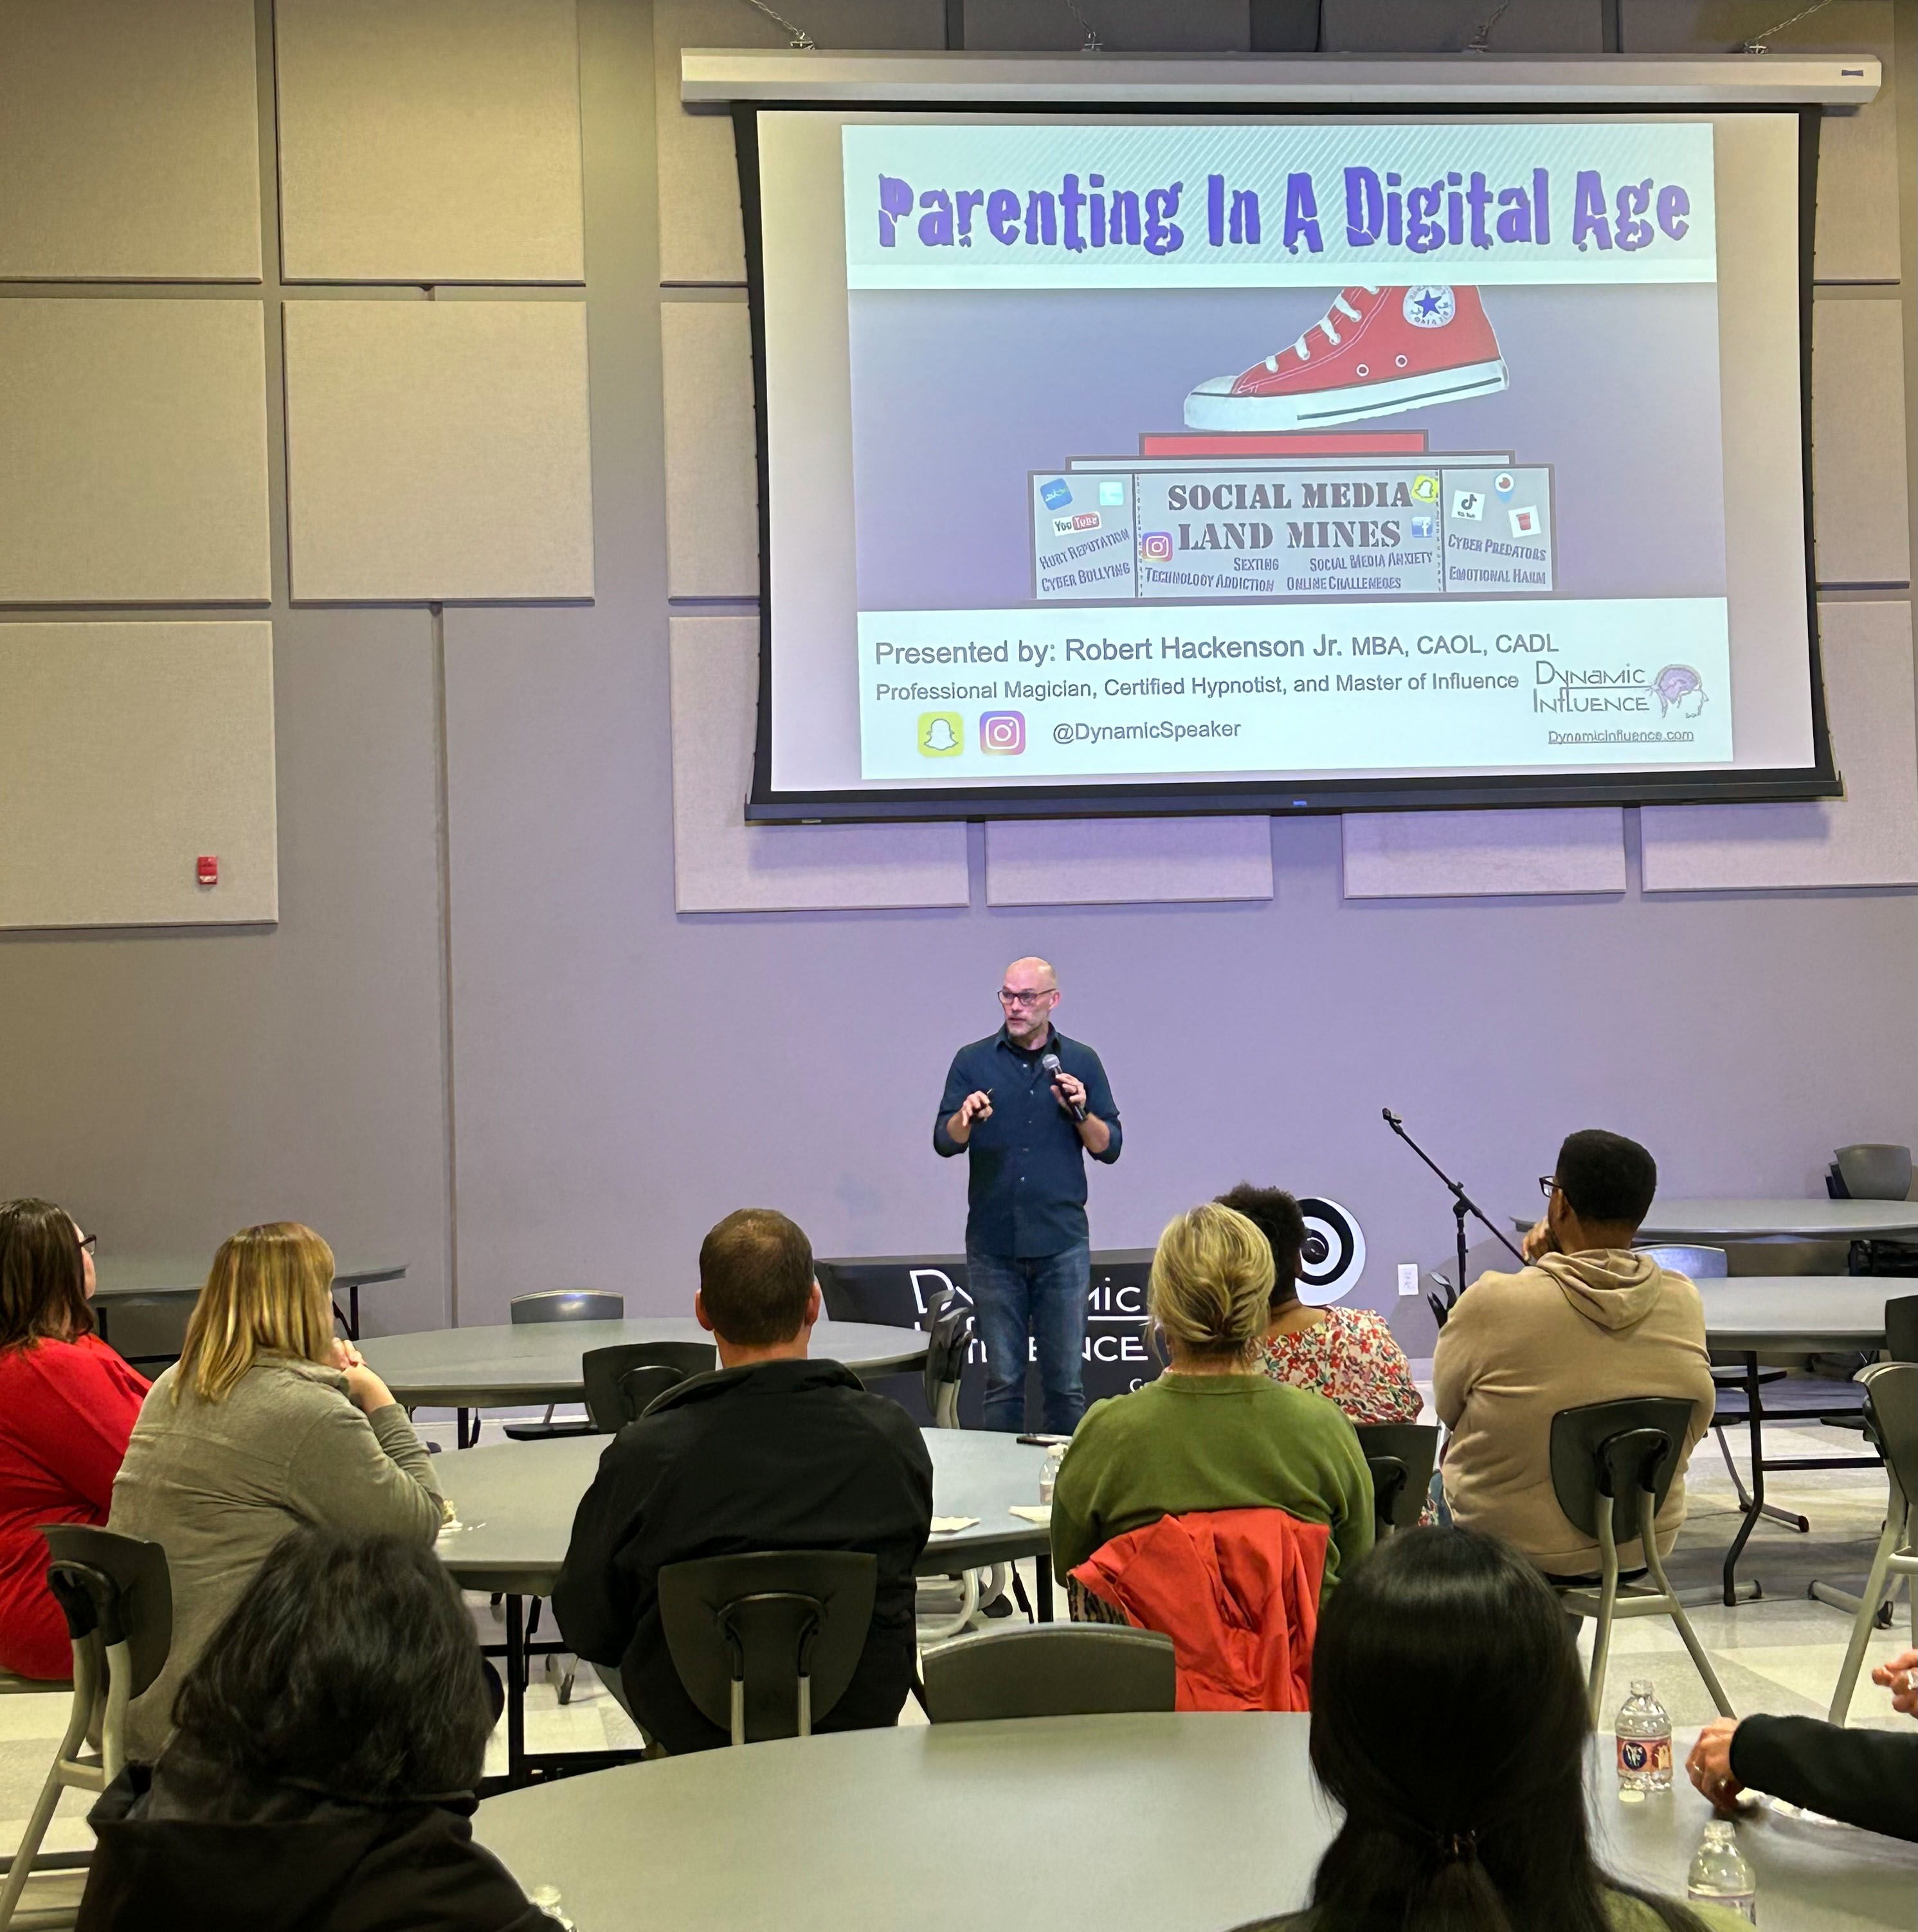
{"type": "Point", "coordinates": [67, 1406]}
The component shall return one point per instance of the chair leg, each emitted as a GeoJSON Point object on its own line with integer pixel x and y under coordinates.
{"type": "Point", "coordinates": [86, 1682]}
{"type": "Point", "coordinates": [1602, 1632]}
{"type": "Point", "coordinates": [1649, 1542]}
{"type": "Point", "coordinates": [1865, 1621]}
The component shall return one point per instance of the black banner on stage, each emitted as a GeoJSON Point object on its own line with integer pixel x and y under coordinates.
{"type": "Point", "coordinates": [895, 1289]}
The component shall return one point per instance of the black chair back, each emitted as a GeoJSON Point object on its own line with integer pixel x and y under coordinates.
{"type": "Point", "coordinates": [949, 1341]}
{"type": "Point", "coordinates": [567, 1304]}
{"type": "Point", "coordinates": [765, 1644]}
{"type": "Point", "coordinates": [1901, 1328]}
{"type": "Point", "coordinates": [1891, 1418]}
{"type": "Point", "coordinates": [1400, 1456]}
{"type": "Point", "coordinates": [1612, 1450]}
{"type": "Point", "coordinates": [623, 1381]}
{"type": "Point", "coordinates": [1050, 1670]}
{"type": "Point", "coordinates": [118, 1585]}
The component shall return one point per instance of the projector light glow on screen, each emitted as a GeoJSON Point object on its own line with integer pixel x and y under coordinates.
{"type": "Point", "coordinates": [1116, 460]}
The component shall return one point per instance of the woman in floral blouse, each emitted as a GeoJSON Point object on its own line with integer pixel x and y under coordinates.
{"type": "Point", "coordinates": [1348, 1355]}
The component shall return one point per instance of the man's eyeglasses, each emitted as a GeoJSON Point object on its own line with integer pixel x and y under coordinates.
{"type": "Point", "coordinates": [1007, 998]}
{"type": "Point", "coordinates": [1547, 1182]}
{"type": "Point", "coordinates": [88, 1243]}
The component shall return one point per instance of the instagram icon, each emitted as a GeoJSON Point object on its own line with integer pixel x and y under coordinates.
{"type": "Point", "coordinates": [1003, 732]}
{"type": "Point", "coordinates": [1156, 546]}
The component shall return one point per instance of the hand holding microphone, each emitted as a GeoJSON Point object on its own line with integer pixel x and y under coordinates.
{"type": "Point", "coordinates": [1069, 1092]}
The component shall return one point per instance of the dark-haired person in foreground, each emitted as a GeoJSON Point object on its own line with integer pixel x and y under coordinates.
{"type": "Point", "coordinates": [1863, 1777]}
{"type": "Point", "coordinates": [1441, 1636]}
{"type": "Point", "coordinates": [329, 1741]}
{"type": "Point", "coordinates": [1589, 1320]}
{"type": "Point", "coordinates": [773, 1452]}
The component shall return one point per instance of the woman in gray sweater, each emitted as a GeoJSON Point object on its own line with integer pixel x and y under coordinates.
{"type": "Point", "coordinates": [265, 1423]}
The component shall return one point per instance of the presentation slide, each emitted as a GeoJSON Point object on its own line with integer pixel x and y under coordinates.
{"type": "Point", "coordinates": [1184, 452]}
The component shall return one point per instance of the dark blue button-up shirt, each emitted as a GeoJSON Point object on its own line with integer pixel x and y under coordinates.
{"type": "Point", "coordinates": [1026, 1196]}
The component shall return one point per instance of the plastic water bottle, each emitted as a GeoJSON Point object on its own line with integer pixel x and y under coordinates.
{"type": "Point", "coordinates": [1644, 1741]}
{"type": "Point", "coordinates": [1721, 1874]}
{"type": "Point", "coordinates": [1049, 1476]}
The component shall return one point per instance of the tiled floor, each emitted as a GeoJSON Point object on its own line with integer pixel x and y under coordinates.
{"type": "Point", "coordinates": [1781, 1653]}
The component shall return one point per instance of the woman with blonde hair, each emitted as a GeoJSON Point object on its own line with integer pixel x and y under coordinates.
{"type": "Point", "coordinates": [1213, 1432]}
{"type": "Point", "coordinates": [266, 1422]}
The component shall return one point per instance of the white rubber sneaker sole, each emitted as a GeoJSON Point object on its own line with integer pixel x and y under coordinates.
{"type": "Point", "coordinates": [1215, 408]}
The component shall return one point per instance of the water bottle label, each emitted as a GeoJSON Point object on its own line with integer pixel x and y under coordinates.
{"type": "Point", "coordinates": [1644, 1757]}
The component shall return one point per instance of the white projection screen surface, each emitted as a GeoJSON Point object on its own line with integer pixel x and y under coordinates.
{"type": "Point", "coordinates": [1096, 476]}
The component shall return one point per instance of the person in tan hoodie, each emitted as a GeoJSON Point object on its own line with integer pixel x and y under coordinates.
{"type": "Point", "coordinates": [1589, 1320]}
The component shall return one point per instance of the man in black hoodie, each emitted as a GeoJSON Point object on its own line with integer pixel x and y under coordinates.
{"type": "Point", "coordinates": [773, 1452]}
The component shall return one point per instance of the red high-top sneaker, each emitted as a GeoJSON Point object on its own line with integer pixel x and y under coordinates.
{"type": "Point", "coordinates": [1376, 351]}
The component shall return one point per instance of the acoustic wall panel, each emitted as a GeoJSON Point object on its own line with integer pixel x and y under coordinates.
{"type": "Point", "coordinates": [1445, 26]}
{"type": "Point", "coordinates": [1123, 26]}
{"type": "Point", "coordinates": [127, 753]}
{"type": "Point", "coordinates": [133, 452]}
{"type": "Point", "coordinates": [700, 239]}
{"type": "Point", "coordinates": [1412, 855]}
{"type": "Point", "coordinates": [438, 450]}
{"type": "Point", "coordinates": [429, 140]}
{"type": "Point", "coordinates": [1126, 861]}
{"type": "Point", "coordinates": [712, 475]}
{"type": "Point", "coordinates": [129, 141]}
{"type": "Point", "coordinates": [1867, 838]}
{"type": "Point", "coordinates": [1857, 224]}
{"type": "Point", "coordinates": [721, 864]}
{"type": "Point", "coordinates": [1859, 503]}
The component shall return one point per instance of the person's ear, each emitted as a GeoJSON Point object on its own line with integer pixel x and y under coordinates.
{"type": "Point", "coordinates": [700, 1315]}
{"type": "Point", "coordinates": [815, 1304]}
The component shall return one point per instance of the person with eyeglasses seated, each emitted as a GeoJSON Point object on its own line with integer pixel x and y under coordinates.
{"type": "Point", "coordinates": [1590, 1319]}
{"type": "Point", "coordinates": [331, 1738]}
{"type": "Point", "coordinates": [1441, 1636]}
{"type": "Point", "coordinates": [68, 1404]}
{"type": "Point", "coordinates": [265, 1423]}
{"type": "Point", "coordinates": [774, 1451]}
{"type": "Point", "coordinates": [1026, 1128]}
{"type": "Point", "coordinates": [1868, 1778]}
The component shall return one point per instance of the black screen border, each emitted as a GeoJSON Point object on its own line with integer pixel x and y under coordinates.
{"type": "Point", "coordinates": [1189, 798]}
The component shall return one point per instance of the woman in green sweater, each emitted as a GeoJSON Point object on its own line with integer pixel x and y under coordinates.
{"type": "Point", "coordinates": [1213, 1432]}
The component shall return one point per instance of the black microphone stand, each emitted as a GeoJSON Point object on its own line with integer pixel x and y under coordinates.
{"type": "Point", "coordinates": [1463, 1205]}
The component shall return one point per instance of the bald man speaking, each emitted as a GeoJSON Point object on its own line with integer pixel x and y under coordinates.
{"type": "Point", "coordinates": [1028, 1105]}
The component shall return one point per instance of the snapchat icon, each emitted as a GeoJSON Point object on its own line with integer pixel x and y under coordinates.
{"type": "Point", "coordinates": [941, 734]}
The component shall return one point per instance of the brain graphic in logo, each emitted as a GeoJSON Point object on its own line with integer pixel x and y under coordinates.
{"type": "Point", "coordinates": [1679, 688]}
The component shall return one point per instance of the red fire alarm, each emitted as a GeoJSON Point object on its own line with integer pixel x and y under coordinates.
{"type": "Point", "coordinates": [207, 869]}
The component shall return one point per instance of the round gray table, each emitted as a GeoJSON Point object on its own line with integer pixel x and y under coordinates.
{"type": "Point", "coordinates": [1798, 1314]}
{"type": "Point", "coordinates": [1807, 1220]}
{"type": "Point", "coordinates": [1186, 1822]}
{"type": "Point", "coordinates": [518, 1364]}
{"type": "Point", "coordinates": [515, 1503]}
{"type": "Point", "coordinates": [123, 1278]}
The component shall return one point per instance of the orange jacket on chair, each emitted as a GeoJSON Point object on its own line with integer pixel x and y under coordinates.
{"type": "Point", "coordinates": [1236, 1590]}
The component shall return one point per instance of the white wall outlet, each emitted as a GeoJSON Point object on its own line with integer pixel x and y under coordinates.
{"type": "Point", "coordinates": [1408, 1277]}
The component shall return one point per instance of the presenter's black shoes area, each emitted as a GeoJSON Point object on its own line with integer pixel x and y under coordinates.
{"type": "Point", "coordinates": [296, 1862]}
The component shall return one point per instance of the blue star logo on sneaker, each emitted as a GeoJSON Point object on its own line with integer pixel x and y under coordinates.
{"type": "Point", "coordinates": [1430, 307]}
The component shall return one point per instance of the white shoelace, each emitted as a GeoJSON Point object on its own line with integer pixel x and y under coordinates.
{"type": "Point", "coordinates": [1339, 307]}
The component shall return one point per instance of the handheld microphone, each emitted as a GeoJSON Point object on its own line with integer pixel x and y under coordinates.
{"type": "Point", "coordinates": [1050, 1063]}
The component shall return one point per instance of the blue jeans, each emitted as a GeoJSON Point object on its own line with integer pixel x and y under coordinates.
{"type": "Point", "coordinates": [1042, 1296]}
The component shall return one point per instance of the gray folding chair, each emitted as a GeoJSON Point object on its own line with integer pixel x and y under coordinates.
{"type": "Point", "coordinates": [1400, 1455]}
{"type": "Point", "coordinates": [765, 1644]}
{"type": "Point", "coordinates": [1875, 1171]}
{"type": "Point", "coordinates": [559, 1304]}
{"type": "Point", "coordinates": [623, 1382]}
{"type": "Point", "coordinates": [1050, 1670]}
{"type": "Point", "coordinates": [949, 1605]}
{"type": "Point", "coordinates": [117, 1598]}
{"type": "Point", "coordinates": [1613, 1465]}
{"type": "Point", "coordinates": [1891, 1419]}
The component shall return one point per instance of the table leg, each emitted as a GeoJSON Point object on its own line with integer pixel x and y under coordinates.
{"type": "Point", "coordinates": [1042, 1577]}
{"type": "Point", "coordinates": [516, 1668]}
{"type": "Point", "coordinates": [1757, 1508]}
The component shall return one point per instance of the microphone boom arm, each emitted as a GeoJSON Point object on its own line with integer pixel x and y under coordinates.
{"type": "Point", "coordinates": [1463, 1205]}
